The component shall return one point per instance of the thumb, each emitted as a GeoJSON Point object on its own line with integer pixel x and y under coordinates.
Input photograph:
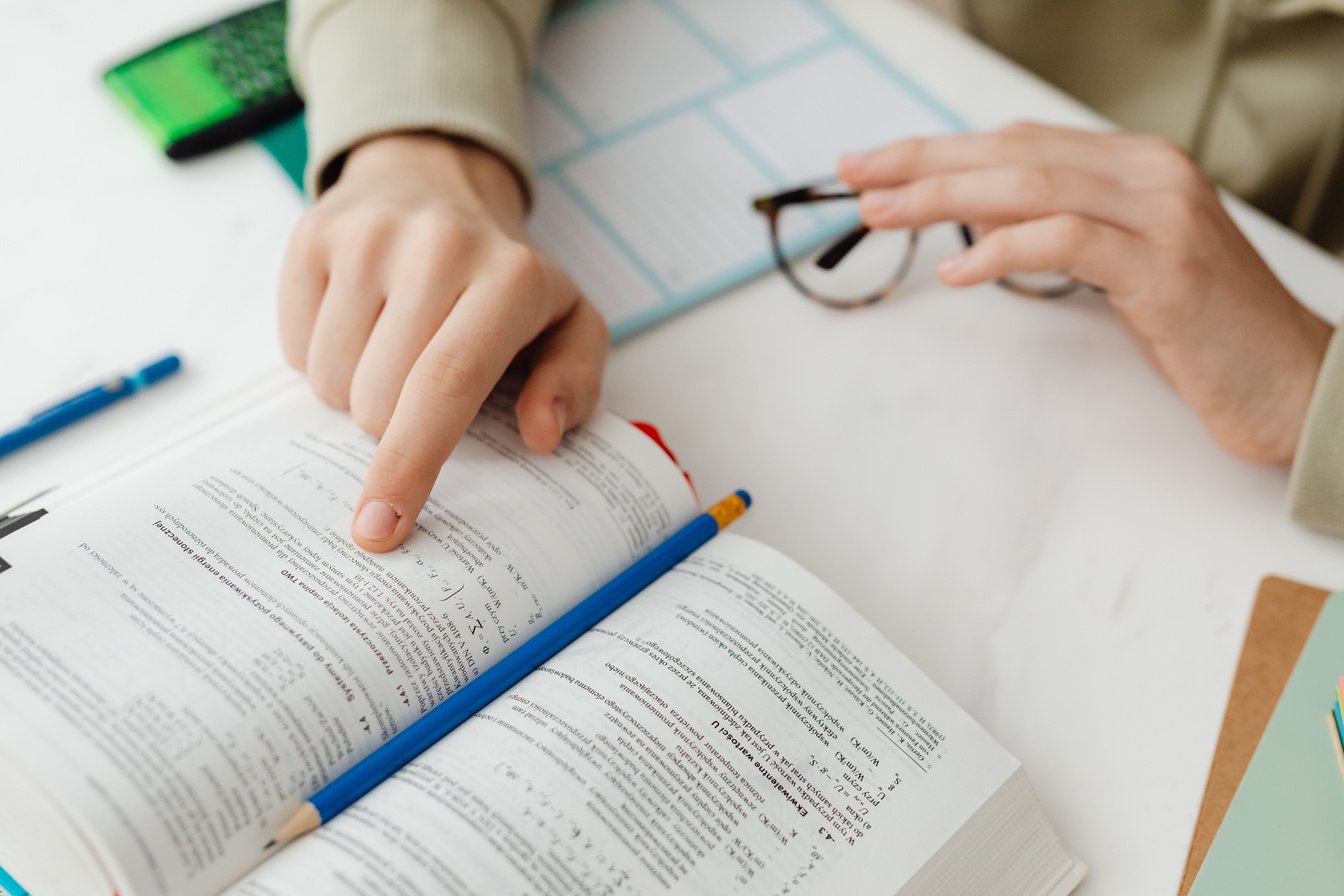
{"type": "Point", "coordinates": [566, 378]}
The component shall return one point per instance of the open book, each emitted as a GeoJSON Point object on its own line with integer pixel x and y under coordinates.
{"type": "Point", "coordinates": [192, 647]}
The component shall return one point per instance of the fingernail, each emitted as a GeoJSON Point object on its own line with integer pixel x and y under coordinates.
{"type": "Point", "coordinates": [376, 521]}
{"type": "Point", "coordinates": [853, 163]}
{"type": "Point", "coordinates": [949, 266]}
{"type": "Point", "coordinates": [879, 204]}
{"type": "Point", "coordinates": [561, 415]}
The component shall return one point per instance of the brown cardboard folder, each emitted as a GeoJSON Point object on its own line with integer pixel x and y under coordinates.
{"type": "Point", "coordinates": [1283, 617]}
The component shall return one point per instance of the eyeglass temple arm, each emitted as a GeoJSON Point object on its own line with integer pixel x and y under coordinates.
{"type": "Point", "coordinates": [771, 204]}
{"type": "Point", "coordinates": [840, 248]}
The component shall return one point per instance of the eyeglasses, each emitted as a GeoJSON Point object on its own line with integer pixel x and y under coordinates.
{"type": "Point", "coordinates": [828, 256]}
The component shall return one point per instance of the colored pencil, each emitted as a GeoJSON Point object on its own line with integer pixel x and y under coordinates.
{"type": "Point", "coordinates": [384, 762]}
{"type": "Point", "coordinates": [1334, 740]}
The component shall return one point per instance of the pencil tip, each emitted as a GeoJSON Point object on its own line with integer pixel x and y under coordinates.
{"type": "Point", "coordinates": [304, 819]}
{"type": "Point", "coordinates": [268, 846]}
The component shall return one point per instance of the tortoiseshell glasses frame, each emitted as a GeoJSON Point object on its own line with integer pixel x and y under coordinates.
{"type": "Point", "coordinates": [1040, 286]}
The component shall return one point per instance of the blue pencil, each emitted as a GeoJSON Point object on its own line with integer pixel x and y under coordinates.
{"type": "Point", "coordinates": [384, 762]}
{"type": "Point", "coordinates": [71, 410]}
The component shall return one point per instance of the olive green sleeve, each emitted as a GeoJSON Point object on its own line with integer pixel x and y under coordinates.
{"type": "Point", "coordinates": [1317, 487]}
{"type": "Point", "coordinates": [370, 67]}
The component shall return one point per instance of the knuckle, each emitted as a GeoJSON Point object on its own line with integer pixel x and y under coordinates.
{"type": "Point", "coordinates": [363, 255]}
{"type": "Point", "coordinates": [1161, 145]}
{"type": "Point", "coordinates": [441, 232]}
{"type": "Point", "coordinates": [441, 377]}
{"type": "Point", "coordinates": [367, 224]}
{"type": "Point", "coordinates": [1186, 263]}
{"type": "Point", "coordinates": [997, 246]}
{"type": "Point", "coordinates": [927, 196]}
{"type": "Point", "coordinates": [439, 244]}
{"type": "Point", "coordinates": [1187, 268]}
{"type": "Point", "coordinates": [1037, 183]}
{"type": "Point", "coordinates": [1150, 143]}
{"type": "Point", "coordinates": [309, 232]}
{"type": "Point", "coordinates": [1172, 160]}
{"type": "Point", "coordinates": [307, 258]}
{"type": "Point", "coordinates": [521, 267]}
{"type": "Point", "coordinates": [398, 464]}
{"type": "Point", "coordinates": [1181, 213]}
{"type": "Point", "coordinates": [364, 238]}
{"type": "Point", "coordinates": [1186, 271]}
{"type": "Point", "coordinates": [1072, 232]}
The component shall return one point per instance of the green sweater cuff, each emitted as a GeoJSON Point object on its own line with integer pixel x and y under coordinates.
{"type": "Point", "coordinates": [1317, 486]}
{"type": "Point", "coordinates": [371, 67]}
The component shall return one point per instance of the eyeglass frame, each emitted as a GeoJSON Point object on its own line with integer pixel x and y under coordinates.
{"type": "Point", "coordinates": [770, 206]}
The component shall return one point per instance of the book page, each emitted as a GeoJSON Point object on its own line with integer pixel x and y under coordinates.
{"type": "Point", "coordinates": [734, 728]}
{"type": "Point", "coordinates": [194, 648]}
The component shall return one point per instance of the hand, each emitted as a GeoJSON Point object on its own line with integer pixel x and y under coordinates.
{"type": "Point", "coordinates": [1133, 216]}
{"type": "Point", "coordinates": [406, 292]}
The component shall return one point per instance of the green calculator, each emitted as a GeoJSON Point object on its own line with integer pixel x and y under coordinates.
{"type": "Point", "coordinates": [212, 86]}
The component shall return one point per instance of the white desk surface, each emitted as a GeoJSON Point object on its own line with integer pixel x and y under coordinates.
{"type": "Point", "coordinates": [1001, 486]}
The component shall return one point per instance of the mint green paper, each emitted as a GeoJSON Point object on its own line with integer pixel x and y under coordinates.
{"type": "Point", "coordinates": [1284, 831]}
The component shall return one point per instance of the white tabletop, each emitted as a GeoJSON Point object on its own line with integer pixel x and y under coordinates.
{"type": "Point", "coordinates": [1001, 486]}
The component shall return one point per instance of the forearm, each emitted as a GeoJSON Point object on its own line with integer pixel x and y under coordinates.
{"type": "Point", "coordinates": [372, 67]}
{"type": "Point", "coordinates": [1317, 489]}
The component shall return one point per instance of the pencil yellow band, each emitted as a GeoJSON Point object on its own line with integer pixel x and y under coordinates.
{"type": "Point", "coordinates": [729, 509]}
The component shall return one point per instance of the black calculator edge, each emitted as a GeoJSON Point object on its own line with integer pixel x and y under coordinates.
{"type": "Point", "coordinates": [237, 127]}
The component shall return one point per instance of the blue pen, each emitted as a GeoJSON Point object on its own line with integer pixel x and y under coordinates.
{"type": "Point", "coordinates": [61, 415]}
{"type": "Point", "coordinates": [495, 681]}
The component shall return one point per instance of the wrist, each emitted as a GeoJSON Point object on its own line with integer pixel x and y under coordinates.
{"type": "Point", "coordinates": [1300, 352]}
{"type": "Point", "coordinates": [443, 165]}
{"type": "Point", "coordinates": [1314, 342]}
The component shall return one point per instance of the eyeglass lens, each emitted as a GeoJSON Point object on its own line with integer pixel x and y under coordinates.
{"type": "Point", "coordinates": [830, 257]}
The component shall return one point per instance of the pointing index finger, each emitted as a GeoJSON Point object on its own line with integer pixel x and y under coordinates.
{"type": "Point", "coordinates": [444, 391]}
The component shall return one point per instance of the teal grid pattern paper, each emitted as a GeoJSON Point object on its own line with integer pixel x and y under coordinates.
{"type": "Point", "coordinates": [1284, 830]}
{"type": "Point", "coordinates": [653, 123]}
